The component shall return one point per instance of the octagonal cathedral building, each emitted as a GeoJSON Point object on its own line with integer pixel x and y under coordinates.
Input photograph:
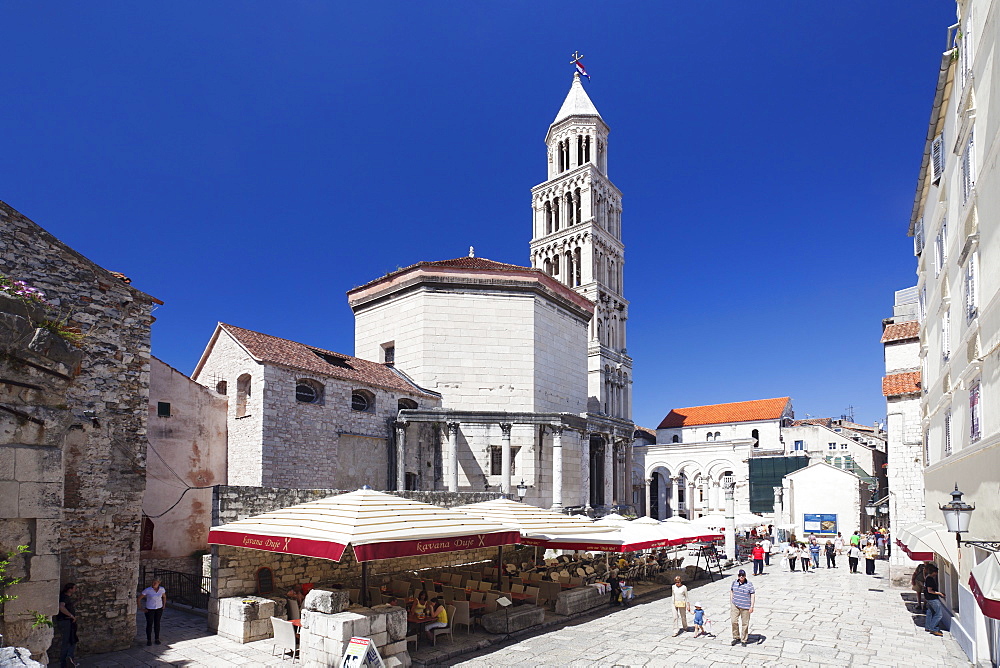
{"type": "Point", "coordinates": [529, 361]}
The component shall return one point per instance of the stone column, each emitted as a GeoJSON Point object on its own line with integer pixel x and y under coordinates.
{"type": "Point", "coordinates": [400, 454]}
{"type": "Point", "coordinates": [453, 456]}
{"type": "Point", "coordinates": [730, 523]}
{"type": "Point", "coordinates": [646, 484]}
{"type": "Point", "coordinates": [675, 497]}
{"type": "Point", "coordinates": [557, 467]}
{"type": "Point", "coordinates": [505, 460]}
{"type": "Point", "coordinates": [777, 502]}
{"type": "Point", "coordinates": [609, 455]}
{"type": "Point", "coordinates": [713, 495]}
{"type": "Point", "coordinates": [585, 469]}
{"type": "Point", "coordinates": [690, 499]}
{"type": "Point", "coordinates": [628, 472]}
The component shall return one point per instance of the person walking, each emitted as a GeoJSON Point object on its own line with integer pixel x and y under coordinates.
{"type": "Point", "coordinates": [681, 605]}
{"type": "Point", "coordinates": [856, 539]}
{"type": "Point", "coordinates": [156, 599]}
{"type": "Point", "coordinates": [870, 553]}
{"type": "Point", "coordinates": [814, 548]}
{"type": "Point", "coordinates": [804, 557]}
{"type": "Point", "coordinates": [767, 545]}
{"type": "Point", "coordinates": [880, 542]}
{"type": "Point", "coordinates": [935, 611]}
{"type": "Point", "coordinates": [853, 555]}
{"type": "Point", "coordinates": [66, 623]}
{"type": "Point", "coordinates": [831, 555]}
{"type": "Point", "coordinates": [758, 558]}
{"type": "Point", "coordinates": [792, 554]}
{"type": "Point", "coordinates": [742, 596]}
{"type": "Point", "coordinates": [838, 544]}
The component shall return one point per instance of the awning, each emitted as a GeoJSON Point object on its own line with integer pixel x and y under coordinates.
{"type": "Point", "coordinates": [530, 519]}
{"type": "Point", "coordinates": [377, 525]}
{"type": "Point", "coordinates": [625, 538]}
{"type": "Point", "coordinates": [716, 520]}
{"type": "Point", "coordinates": [922, 540]}
{"type": "Point", "coordinates": [985, 584]}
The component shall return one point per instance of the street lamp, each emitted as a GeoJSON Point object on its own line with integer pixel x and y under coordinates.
{"type": "Point", "coordinates": [522, 490]}
{"type": "Point", "coordinates": [957, 515]}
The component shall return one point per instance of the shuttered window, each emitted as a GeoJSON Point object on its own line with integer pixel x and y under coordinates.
{"type": "Point", "coordinates": [971, 298]}
{"type": "Point", "coordinates": [968, 167]}
{"type": "Point", "coordinates": [918, 237]}
{"type": "Point", "coordinates": [946, 335]}
{"type": "Point", "coordinates": [975, 418]}
{"type": "Point", "coordinates": [937, 158]}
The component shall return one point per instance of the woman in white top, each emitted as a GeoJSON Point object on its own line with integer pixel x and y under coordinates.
{"type": "Point", "coordinates": [792, 554]}
{"type": "Point", "coordinates": [156, 599]}
{"type": "Point", "coordinates": [681, 605]}
{"type": "Point", "coordinates": [804, 557]}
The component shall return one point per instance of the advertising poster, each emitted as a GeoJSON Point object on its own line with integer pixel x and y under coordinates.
{"type": "Point", "coordinates": [822, 524]}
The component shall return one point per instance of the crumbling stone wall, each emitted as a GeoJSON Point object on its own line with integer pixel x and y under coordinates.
{"type": "Point", "coordinates": [101, 433]}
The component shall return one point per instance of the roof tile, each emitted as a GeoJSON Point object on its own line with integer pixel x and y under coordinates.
{"type": "Point", "coordinates": [275, 350]}
{"type": "Point", "coordinates": [901, 383]}
{"type": "Point", "coordinates": [740, 411]}
{"type": "Point", "coordinates": [901, 331]}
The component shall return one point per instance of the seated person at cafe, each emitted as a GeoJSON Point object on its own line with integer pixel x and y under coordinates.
{"type": "Point", "coordinates": [436, 609]}
{"type": "Point", "coordinates": [295, 597]}
{"type": "Point", "coordinates": [419, 607]}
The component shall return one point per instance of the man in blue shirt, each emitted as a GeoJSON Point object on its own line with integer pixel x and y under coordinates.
{"type": "Point", "coordinates": [742, 595]}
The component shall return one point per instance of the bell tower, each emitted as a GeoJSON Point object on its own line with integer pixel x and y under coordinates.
{"type": "Point", "coordinates": [577, 240]}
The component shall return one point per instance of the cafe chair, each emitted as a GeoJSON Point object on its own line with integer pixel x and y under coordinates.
{"type": "Point", "coordinates": [446, 631]}
{"type": "Point", "coordinates": [459, 614]}
{"type": "Point", "coordinates": [285, 638]}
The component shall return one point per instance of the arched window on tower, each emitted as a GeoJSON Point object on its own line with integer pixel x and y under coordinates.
{"type": "Point", "coordinates": [579, 205]}
{"type": "Point", "coordinates": [548, 218]}
{"type": "Point", "coordinates": [547, 266]}
{"type": "Point", "coordinates": [611, 276]}
{"type": "Point", "coordinates": [242, 394]}
{"type": "Point", "coordinates": [579, 150]}
{"type": "Point", "coordinates": [570, 209]}
{"type": "Point", "coordinates": [586, 149]}
{"type": "Point", "coordinates": [555, 214]}
{"type": "Point", "coordinates": [559, 151]}
{"type": "Point", "coordinates": [578, 264]}
{"type": "Point", "coordinates": [675, 439]}
{"type": "Point", "coordinates": [755, 435]}
{"type": "Point", "coordinates": [570, 269]}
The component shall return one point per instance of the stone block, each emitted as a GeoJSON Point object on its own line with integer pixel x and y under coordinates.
{"type": "Point", "coordinates": [38, 464]}
{"type": "Point", "coordinates": [392, 662]}
{"type": "Point", "coordinates": [7, 456]}
{"type": "Point", "coordinates": [514, 618]}
{"type": "Point", "coordinates": [395, 623]}
{"type": "Point", "coordinates": [395, 648]}
{"type": "Point", "coordinates": [380, 639]}
{"type": "Point", "coordinates": [39, 499]}
{"type": "Point", "coordinates": [8, 498]}
{"type": "Point", "coordinates": [41, 595]}
{"type": "Point", "coordinates": [47, 537]}
{"type": "Point", "coordinates": [233, 629]}
{"type": "Point", "coordinates": [17, 656]}
{"type": "Point", "coordinates": [44, 567]}
{"type": "Point", "coordinates": [330, 602]}
{"type": "Point", "coordinates": [260, 629]}
{"type": "Point", "coordinates": [577, 600]}
{"type": "Point", "coordinates": [334, 647]}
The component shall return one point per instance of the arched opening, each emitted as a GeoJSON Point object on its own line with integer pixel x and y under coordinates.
{"type": "Point", "coordinates": [675, 439]}
{"type": "Point", "coordinates": [308, 391]}
{"type": "Point", "coordinates": [363, 401]}
{"type": "Point", "coordinates": [577, 200]}
{"type": "Point", "coordinates": [586, 149]}
{"type": "Point", "coordinates": [547, 266]}
{"type": "Point", "coordinates": [578, 277]}
{"type": "Point", "coordinates": [570, 210]}
{"type": "Point", "coordinates": [242, 394]}
{"type": "Point", "coordinates": [755, 435]}
{"type": "Point", "coordinates": [717, 435]}
{"type": "Point", "coordinates": [709, 437]}
{"type": "Point", "coordinates": [221, 387]}
{"type": "Point", "coordinates": [406, 404]}
{"type": "Point", "coordinates": [570, 269]}
{"type": "Point", "coordinates": [555, 214]}
{"type": "Point", "coordinates": [548, 218]}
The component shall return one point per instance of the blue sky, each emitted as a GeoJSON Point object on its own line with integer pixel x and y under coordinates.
{"type": "Point", "coordinates": [249, 162]}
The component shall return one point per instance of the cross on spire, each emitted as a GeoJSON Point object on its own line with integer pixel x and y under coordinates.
{"type": "Point", "coordinates": [576, 56]}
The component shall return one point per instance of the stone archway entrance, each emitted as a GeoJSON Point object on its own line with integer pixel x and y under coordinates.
{"type": "Point", "coordinates": [597, 450]}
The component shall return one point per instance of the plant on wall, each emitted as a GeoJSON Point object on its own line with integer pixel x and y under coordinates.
{"type": "Point", "coordinates": [32, 296]}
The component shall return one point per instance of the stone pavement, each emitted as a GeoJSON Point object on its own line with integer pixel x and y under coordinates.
{"type": "Point", "coordinates": [823, 618]}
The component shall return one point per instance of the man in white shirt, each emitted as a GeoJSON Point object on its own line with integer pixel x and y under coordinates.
{"type": "Point", "coordinates": [766, 544]}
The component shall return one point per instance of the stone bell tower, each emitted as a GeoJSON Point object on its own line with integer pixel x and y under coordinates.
{"type": "Point", "coordinates": [577, 239]}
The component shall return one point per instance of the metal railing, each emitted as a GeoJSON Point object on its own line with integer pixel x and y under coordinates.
{"type": "Point", "coordinates": [184, 588]}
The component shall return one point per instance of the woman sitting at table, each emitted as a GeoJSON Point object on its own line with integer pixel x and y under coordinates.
{"type": "Point", "coordinates": [436, 609]}
{"type": "Point", "coordinates": [419, 607]}
{"type": "Point", "coordinates": [295, 597]}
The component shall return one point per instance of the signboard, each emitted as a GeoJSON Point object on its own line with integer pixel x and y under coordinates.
{"type": "Point", "coordinates": [825, 524]}
{"type": "Point", "coordinates": [361, 652]}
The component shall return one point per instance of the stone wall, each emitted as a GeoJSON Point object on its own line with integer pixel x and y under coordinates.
{"type": "Point", "coordinates": [103, 450]}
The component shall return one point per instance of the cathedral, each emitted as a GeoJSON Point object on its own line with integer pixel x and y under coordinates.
{"type": "Point", "coordinates": [529, 362]}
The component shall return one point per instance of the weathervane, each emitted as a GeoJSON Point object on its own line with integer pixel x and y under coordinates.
{"type": "Point", "coordinates": [580, 69]}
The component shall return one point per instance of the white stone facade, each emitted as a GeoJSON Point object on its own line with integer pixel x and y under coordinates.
{"type": "Point", "coordinates": [823, 489]}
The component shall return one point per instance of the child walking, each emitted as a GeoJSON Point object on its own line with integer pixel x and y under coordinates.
{"type": "Point", "coordinates": [699, 621]}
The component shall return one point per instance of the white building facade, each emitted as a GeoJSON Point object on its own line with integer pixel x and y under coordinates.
{"type": "Point", "coordinates": [955, 223]}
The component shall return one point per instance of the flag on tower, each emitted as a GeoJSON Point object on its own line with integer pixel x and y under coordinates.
{"type": "Point", "coordinates": [581, 69]}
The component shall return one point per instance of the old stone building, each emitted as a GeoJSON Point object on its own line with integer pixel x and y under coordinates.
{"type": "Point", "coordinates": [304, 417]}
{"type": "Point", "coordinates": [73, 435]}
{"type": "Point", "coordinates": [187, 456]}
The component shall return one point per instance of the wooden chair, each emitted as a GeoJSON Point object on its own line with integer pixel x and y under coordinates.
{"type": "Point", "coordinates": [517, 588]}
{"type": "Point", "coordinates": [446, 631]}
{"type": "Point", "coordinates": [354, 595]}
{"type": "Point", "coordinates": [532, 593]}
{"type": "Point", "coordinates": [485, 586]}
{"type": "Point", "coordinates": [400, 589]}
{"type": "Point", "coordinates": [462, 616]}
{"type": "Point", "coordinates": [460, 594]}
{"type": "Point", "coordinates": [374, 596]}
{"type": "Point", "coordinates": [477, 597]}
{"type": "Point", "coordinates": [415, 638]}
{"type": "Point", "coordinates": [472, 584]}
{"type": "Point", "coordinates": [285, 638]}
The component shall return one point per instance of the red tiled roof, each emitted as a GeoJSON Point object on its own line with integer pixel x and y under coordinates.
{"type": "Point", "coordinates": [740, 411]}
{"type": "Point", "coordinates": [471, 263]}
{"type": "Point", "coordinates": [272, 349]}
{"type": "Point", "coordinates": [901, 383]}
{"type": "Point", "coordinates": [901, 331]}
